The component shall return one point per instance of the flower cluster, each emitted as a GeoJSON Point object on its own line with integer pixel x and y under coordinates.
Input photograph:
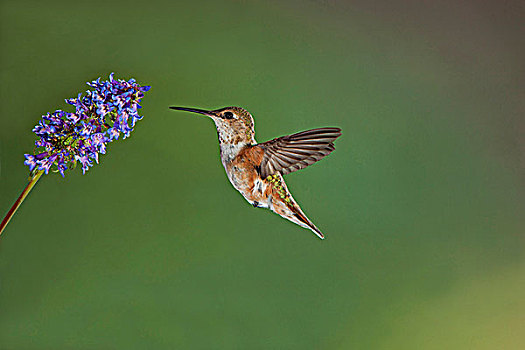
{"type": "Point", "coordinates": [101, 116]}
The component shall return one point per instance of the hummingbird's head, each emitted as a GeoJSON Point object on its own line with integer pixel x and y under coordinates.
{"type": "Point", "coordinates": [234, 124]}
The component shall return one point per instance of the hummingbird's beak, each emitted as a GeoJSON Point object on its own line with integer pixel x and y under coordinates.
{"type": "Point", "coordinates": [195, 110]}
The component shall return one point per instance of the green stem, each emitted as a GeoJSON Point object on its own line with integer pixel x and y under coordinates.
{"type": "Point", "coordinates": [23, 195]}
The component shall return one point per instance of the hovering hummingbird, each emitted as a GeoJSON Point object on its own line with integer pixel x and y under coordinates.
{"type": "Point", "coordinates": [256, 169]}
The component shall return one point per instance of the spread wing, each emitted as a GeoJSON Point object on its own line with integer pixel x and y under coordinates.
{"type": "Point", "coordinates": [293, 152]}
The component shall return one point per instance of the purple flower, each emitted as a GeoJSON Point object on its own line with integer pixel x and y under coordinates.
{"type": "Point", "coordinates": [105, 112]}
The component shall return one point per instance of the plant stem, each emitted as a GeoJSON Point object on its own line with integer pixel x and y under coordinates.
{"type": "Point", "coordinates": [23, 195]}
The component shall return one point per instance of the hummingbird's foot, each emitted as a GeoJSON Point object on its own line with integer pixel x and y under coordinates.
{"type": "Point", "coordinates": [255, 204]}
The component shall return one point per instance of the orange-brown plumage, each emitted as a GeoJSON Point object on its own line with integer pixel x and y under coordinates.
{"type": "Point", "coordinates": [256, 170]}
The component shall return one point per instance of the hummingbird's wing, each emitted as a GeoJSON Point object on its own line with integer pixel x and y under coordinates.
{"type": "Point", "coordinates": [293, 152]}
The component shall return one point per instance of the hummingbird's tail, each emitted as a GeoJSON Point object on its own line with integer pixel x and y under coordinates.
{"type": "Point", "coordinates": [305, 222]}
{"type": "Point", "coordinates": [282, 202]}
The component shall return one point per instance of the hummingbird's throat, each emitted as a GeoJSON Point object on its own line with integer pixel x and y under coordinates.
{"type": "Point", "coordinates": [233, 136]}
{"type": "Point", "coordinates": [234, 133]}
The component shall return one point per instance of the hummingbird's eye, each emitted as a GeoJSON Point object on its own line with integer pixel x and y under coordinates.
{"type": "Point", "coordinates": [228, 115]}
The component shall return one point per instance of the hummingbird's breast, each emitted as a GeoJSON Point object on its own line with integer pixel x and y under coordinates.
{"type": "Point", "coordinates": [243, 175]}
{"type": "Point", "coordinates": [229, 151]}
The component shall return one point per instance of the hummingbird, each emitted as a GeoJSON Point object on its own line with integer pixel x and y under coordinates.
{"type": "Point", "coordinates": [256, 169]}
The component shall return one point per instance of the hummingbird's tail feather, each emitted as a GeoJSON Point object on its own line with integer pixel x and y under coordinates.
{"type": "Point", "coordinates": [303, 219]}
{"type": "Point", "coordinates": [282, 203]}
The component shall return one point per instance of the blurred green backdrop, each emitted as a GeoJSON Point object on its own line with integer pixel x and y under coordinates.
{"type": "Point", "coordinates": [422, 202]}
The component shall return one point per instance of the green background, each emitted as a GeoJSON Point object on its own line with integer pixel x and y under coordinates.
{"type": "Point", "coordinates": [422, 202]}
